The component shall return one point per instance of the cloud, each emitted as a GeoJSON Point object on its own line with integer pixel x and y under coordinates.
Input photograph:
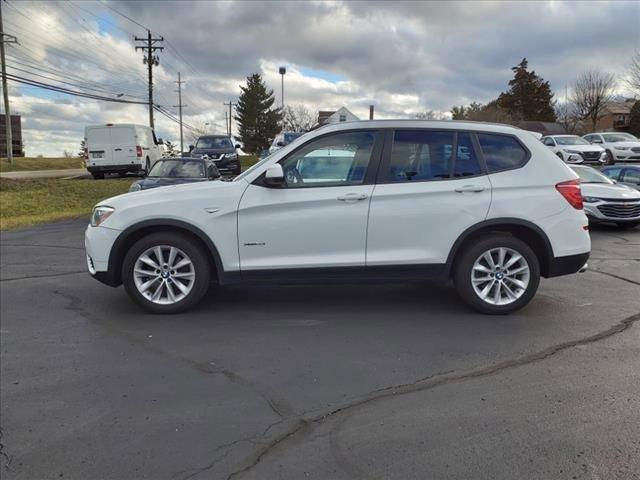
{"type": "Point", "coordinates": [403, 57]}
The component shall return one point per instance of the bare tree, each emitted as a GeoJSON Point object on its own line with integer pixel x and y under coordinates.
{"type": "Point", "coordinates": [430, 115]}
{"type": "Point", "coordinates": [298, 118]}
{"type": "Point", "coordinates": [633, 80]}
{"type": "Point", "coordinates": [566, 116]}
{"type": "Point", "coordinates": [592, 94]}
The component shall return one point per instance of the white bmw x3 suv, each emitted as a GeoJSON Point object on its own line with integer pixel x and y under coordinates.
{"type": "Point", "coordinates": [486, 205]}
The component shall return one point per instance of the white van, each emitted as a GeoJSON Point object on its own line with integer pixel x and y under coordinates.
{"type": "Point", "coordinates": [120, 148]}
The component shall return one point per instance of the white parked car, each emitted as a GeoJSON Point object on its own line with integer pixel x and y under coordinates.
{"type": "Point", "coordinates": [486, 205]}
{"type": "Point", "coordinates": [120, 148]}
{"type": "Point", "coordinates": [606, 200]}
{"type": "Point", "coordinates": [620, 146]}
{"type": "Point", "coordinates": [573, 149]}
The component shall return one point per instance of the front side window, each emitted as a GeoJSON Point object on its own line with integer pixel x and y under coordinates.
{"type": "Point", "coordinates": [502, 152]}
{"type": "Point", "coordinates": [333, 160]}
{"type": "Point", "coordinates": [549, 142]}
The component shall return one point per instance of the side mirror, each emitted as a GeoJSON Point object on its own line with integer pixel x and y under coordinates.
{"type": "Point", "coordinates": [160, 141]}
{"type": "Point", "coordinates": [191, 147]}
{"type": "Point", "coordinates": [212, 172]}
{"type": "Point", "coordinates": [280, 144]}
{"type": "Point", "coordinates": [274, 175]}
{"type": "Point", "coordinates": [238, 145]}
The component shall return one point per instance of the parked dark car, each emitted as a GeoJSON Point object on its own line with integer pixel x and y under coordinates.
{"type": "Point", "coordinates": [627, 174]}
{"type": "Point", "coordinates": [176, 170]}
{"type": "Point", "coordinates": [221, 150]}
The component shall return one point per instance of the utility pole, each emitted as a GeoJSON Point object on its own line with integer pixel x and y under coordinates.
{"type": "Point", "coordinates": [282, 72]}
{"type": "Point", "coordinates": [230, 105]}
{"type": "Point", "coordinates": [180, 105]}
{"type": "Point", "coordinates": [150, 60]}
{"type": "Point", "coordinates": [4, 38]}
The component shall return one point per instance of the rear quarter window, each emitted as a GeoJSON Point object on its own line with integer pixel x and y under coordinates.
{"type": "Point", "coordinates": [502, 152]}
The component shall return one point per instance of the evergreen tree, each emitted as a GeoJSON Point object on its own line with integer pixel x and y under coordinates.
{"type": "Point", "coordinates": [171, 149]}
{"type": "Point", "coordinates": [529, 96]}
{"type": "Point", "coordinates": [83, 146]}
{"type": "Point", "coordinates": [634, 119]}
{"type": "Point", "coordinates": [258, 122]}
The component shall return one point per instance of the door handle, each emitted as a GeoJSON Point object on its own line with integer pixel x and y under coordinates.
{"type": "Point", "coordinates": [352, 197]}
{"type": "Point", "coordinates": [470, 189]}
{"type": "Point", "coordinates": [117, 149]}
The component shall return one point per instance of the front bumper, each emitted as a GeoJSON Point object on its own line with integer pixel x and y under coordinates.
{"type": "Point", "coordinates": [626, 156]}
{"type": "Point", "coordinates": [98, 242]}
{"type": "Point", "coordinates": [613, 211]}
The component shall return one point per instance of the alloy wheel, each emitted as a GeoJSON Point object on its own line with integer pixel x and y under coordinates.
{"type": "Point", "coordinates": [164, 274]}
{"type": "Point", "coordinates": [500, 276]}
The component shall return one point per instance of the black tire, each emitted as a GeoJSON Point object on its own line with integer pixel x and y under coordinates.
{"type": "Point", "coordinates": [610, 158]}
{"type": "Point", "coordinates": [97, 175]}
{"type": "Point", "coordinates": [628, 225]}
{"type": "Point", "coordinates": [464, 265]}
{"type": "Point", "coordinates": [197, 256]}
{"type": "Point", "coordinates": [147, 167]}
{"type": "Point", "coordinates": [237, 171]}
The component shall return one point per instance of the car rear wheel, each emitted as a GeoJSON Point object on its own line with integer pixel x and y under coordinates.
{"type": "Point", "coordinates": [147, 167]}
{"type": "Point", "coordinates": [166, 273]}
{"type": "Point", "coordinates": [97, 175]}
{"type": "Point", "coordinates": [498, 274]}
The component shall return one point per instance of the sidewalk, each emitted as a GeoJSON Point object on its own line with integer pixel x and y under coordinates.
{"type": "Point", "coordinates": [66, 172]}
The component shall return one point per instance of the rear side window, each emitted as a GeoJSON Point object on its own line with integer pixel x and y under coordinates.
{"type": "Point", "coordinates": [502, 152]}
{"type": "Point", "coordinates": [422, 155]}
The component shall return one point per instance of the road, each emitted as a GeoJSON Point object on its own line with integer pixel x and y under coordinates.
{"type": "Point", "coordinates": [325, 382]}
{"type": "Point", "coordinates": [62, 173]}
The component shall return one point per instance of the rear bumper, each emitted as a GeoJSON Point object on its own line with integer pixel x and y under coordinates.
{"type": "Point", "coordinates": [567, 265]}
{"type": "Point", "coordinates": [124, 167]}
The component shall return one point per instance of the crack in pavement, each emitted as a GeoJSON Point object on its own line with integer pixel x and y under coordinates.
{"type": "Point", "coordinates": [431, 383]}
{"type": "Point", "coordinates": [613, 275]}
{"type": "Point", "coordinates": [3, 453]}
{"type": "Point", "coordinates": [29, 277]}
{"type": "Point", "coordinates": [279, 406]}
{"type": "Point", "coordinates": [38, 245]}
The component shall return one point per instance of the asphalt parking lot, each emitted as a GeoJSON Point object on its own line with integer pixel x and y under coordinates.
{"type": "Point", "coordinates": [326, 382]}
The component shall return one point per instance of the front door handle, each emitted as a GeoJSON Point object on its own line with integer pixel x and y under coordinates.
{"type": "Point", "coordinates": [117, 149]}
{"type": "Point", "coordinates": [352, 197]}
{"type": "Point", "coordinates": [470, 189]}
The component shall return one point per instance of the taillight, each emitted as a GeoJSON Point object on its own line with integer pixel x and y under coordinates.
{"type": "Point", "coordinates": [138, 151]}
{"type": "Point", "coordinates": [570, 190]}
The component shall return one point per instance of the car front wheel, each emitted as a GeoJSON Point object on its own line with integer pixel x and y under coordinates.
{"type": "Point", "coordinates": [498, 274]}
{"type": "Point", "coordinates": [166, 273]}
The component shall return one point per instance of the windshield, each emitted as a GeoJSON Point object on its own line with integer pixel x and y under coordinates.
{"type": "Point", "coordinates": [213, 142]}
{"type": "Point", "coordinates": [570, 141]}
{"type": "Point", "coordinates": [590, 175]}
{"type": "Point", "coordinates": [178, 169]}
{"type": "Point", "coordinates": [619, 137]}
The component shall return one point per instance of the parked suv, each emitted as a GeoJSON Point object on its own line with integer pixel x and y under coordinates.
{"type": "Point", "coordinates": [486, 205]}
{"type": "Point", "coordinates": [620, 146]}
{"type": "Point", "coordinates": [221, 150]}
{"type": "Point", "coordinates": [573, 149]}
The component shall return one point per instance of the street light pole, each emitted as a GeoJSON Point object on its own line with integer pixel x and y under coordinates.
{"type": "Point", "coordinates": [5, 89]}
{"type": "Point", "coordinates": [283, 70]}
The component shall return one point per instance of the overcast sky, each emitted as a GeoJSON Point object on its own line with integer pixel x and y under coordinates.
{"type": "Point", "coordinates": [402, 57]}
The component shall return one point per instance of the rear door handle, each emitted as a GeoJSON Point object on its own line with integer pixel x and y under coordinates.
{"type": "Point", "coordinates": [352, 197]}
{"type": "Point", "coordinates": [470, 189]}
{"type": "Point", "coordinates": [117, 149]}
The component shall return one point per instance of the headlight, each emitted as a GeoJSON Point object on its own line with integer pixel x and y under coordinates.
{"type": "Point", "coordinates": [135, 187]}
{"type": "Point", "coordinates": [590, 199]}
{"type": "Point", "coordinates": [622, 148]}
{"type": "Point", "coordinates": [100, 214]}
{"type": "Point", "coordinates": [570, 151]}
